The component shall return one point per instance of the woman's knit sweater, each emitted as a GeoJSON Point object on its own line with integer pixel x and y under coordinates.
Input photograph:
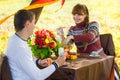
{"type": "Point", "coordinates": [91, 37]}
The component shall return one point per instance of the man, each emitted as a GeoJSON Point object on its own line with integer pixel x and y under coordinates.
{"type": "Point", "coordinates": [19, 55]}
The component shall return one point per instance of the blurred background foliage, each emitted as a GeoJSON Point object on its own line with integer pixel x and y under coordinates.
{"type": "Point", "coordinates": [105, 12]}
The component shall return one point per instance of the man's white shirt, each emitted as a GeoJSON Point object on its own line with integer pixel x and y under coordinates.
{"type": "Point", "coordinates": [21, 61]}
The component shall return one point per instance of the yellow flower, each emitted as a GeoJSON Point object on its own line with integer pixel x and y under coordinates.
{"type": "Point", "coordinates": [47, 41]}
{"type": "Point", "coordinates": [32, 42]}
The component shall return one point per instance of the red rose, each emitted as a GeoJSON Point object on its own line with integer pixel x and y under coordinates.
{"type": "Point", "coordinates": [52, 45]}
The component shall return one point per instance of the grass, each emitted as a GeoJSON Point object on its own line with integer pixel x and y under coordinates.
{"type": "Point", "coordinates": [105, 12]}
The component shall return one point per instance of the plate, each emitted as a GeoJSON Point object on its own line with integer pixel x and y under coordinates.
{"type": "Point", "coordinates": [94, 55]}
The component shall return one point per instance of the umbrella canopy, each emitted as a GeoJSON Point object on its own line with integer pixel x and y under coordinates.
{"type": "Point", "coordinates": [36, 7]}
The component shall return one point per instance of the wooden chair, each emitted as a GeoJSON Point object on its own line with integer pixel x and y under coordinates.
{"type": "Point", "coordinates": [108, 47]}
{"type": "Point", "coordinates": [5, 73]}
{"type": "Point", "coordinates": [107, 44]}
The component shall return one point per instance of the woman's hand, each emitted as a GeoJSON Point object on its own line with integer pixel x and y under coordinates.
{"type": "Point", "coordinates": [68, 39]}
{"type": "Point", "coordinates": [60, 31]}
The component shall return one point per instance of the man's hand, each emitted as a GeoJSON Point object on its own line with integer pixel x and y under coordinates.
{"type": "Point", "coordinates": [45, 62]}
{"type": "Point", "coordinates": [60, 60]}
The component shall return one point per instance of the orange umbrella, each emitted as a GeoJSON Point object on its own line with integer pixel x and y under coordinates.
{"type": "Point", "coordinates": [39, 3]}
{"type": "Point", "coordinates": [34, 5]}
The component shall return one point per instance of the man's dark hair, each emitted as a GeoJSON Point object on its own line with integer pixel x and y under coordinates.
{"type": "Point", "coordinates": [20, 19]}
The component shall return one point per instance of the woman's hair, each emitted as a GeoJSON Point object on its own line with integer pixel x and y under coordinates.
{"type": "Point", "coordinates": [82, 10]}
{"type": "Point", "coordinates": [20, 19]}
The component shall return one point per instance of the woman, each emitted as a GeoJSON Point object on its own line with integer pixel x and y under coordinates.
{"type": "Point", "coordinates": [85, 34]}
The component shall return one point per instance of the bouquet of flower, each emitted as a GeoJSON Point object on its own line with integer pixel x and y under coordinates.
{"type": "Point", "coordinates": [43, 44]}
